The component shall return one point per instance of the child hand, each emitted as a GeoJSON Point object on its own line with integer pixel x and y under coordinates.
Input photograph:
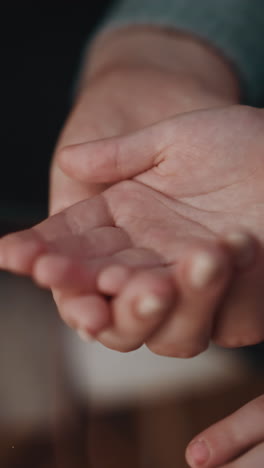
{"type": "Point", "coordinates": [235, 442]}
{"type": "Point", "coordinates": [149, 245]}
{"type": "Point", "coordinates": [164, 273]}
{"type": "Point", "coordinates": [211, 163]}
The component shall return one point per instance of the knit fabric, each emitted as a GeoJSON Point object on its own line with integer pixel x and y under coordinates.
{"type": "Point", "coordinates": [234, 27]}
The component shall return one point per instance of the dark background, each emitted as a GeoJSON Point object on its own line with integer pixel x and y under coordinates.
{"type": "Point", "coordinates": [40, 53]}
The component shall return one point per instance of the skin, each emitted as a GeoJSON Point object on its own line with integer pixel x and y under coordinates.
{"type": "Point", "coordinates": [119, 75]}
{"type": "Point", "coordinates": [234, 442]}
{"type": "Point", "coordinates": [156, 225]}
{"type": "Point", "coordinates": [51, 253]}
{"type": "Point", "coordinates": [232, 193]}
{"type": "Point", "coordinates": [126, 68]}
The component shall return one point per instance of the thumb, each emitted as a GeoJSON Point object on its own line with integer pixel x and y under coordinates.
{"type": "Point", "coordinates": [116, 158]}
{"type": "Point", "coordinates": [228, 438]}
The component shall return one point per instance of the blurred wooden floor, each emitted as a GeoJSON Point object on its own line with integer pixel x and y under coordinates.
{"type": "Point", "coordinates": [150, 436]}
{"type": "Point", "coordinates": [141, 437]}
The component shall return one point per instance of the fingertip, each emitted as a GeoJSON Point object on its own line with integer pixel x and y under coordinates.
{"type": "Point", "coordinates": [90, 313]}
{"type": "Point", "coordinates": [151, 293]}
{"type": "Point", "coordinates": [85, 336]}
{"type": "Point", "coordinates": [205, 268]}
{"type": "Point", "coordinates": [18, 255]}
{"type": "Point", "coordinates": [142, 305]}
{"type": "Point", "coordinates": [64, 156]}
{"type": "Point", "coordinates": [50, 270]}
{"type": "Point", "coordinates": [197, 454]}
{"type": "Point", "coordinates": [59, 271]}
{"type": "Point", "coordinates": [152, 306]}
{"type": "Point", "coordinates": [113, 278]}
{"type": "Point", "coordinates": [73, 162]}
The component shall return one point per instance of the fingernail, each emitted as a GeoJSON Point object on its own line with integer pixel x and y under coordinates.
{"type": "Point", "coordinates": [205, 268]}
{"type": "Point", "coordinates": [150, 306]}
{"type": "Point", "coordinates": [85, 336]}
{"type": "Point", "coordinates": [243, 245]}
{"type": "Point", "coordinates": [198, 453]}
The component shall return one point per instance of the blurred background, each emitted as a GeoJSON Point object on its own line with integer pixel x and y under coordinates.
{"type": "Point", "coordinates": [64, 403]}
{"type": "Point", "coordinates": [41, 48]}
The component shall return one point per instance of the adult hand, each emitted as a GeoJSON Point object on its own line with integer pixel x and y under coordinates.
{"type": "Point", "coordinates": [164, 231]}
{"type": "Point", "coordinates": [132, 78]}
{"type": "Point", "coordinates": [210, 163]}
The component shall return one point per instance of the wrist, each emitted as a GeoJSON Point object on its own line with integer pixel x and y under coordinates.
{"type": "Point", "coordinates": [184, 57]}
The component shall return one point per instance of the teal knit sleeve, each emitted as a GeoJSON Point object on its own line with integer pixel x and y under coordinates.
{"type": "Point", "coordinates": [234, 27]}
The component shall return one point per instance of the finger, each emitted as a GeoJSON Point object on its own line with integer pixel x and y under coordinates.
{"type": "Point", "coordinates": [67, 232]}
{"type": "Point", "coordinates": [240, 319]}
{"type": "Point", "coordinates": [30, 253]}
{"type": "Point", "coordinates": [114, 277]}
{"type": "Point", "coordinates": [19, 250]}
{"type": "Point", "coordinates": [243, 246]}
{"type": "Point", "coordinates": [142, 305]}
{"type": "Point", "coordinates": [106, 274]}
{"type": "Point", "coordinates": [202, 275]}
{"type": "Point", "coordinates": [229, 437]}
{"type": "Point", "coordinates": [253, 458]}
{"type": "Point", "coordinates": [65, 273]}
{"type": "Point", "coordinates": [87, 314]}
{"type": "Point", "coordinates": [117, 158]}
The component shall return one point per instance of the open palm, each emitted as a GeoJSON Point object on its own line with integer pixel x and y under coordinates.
{"type": "Point", "coordinates": [193, 177]}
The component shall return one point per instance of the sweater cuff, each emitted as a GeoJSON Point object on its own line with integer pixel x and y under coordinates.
{"type": "Point", "coordinates": [233, 27]}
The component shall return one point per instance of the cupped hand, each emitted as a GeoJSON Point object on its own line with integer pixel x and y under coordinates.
{"type": "Point", "coordinates": [209, 164]}
{"type": "Point", "coordinates": [116, 101]}
{"type": "Point", "coordinates": [130, 244]}
{"type": "Point", "coordinates": [155, 244]}
{"type": "Point", "coordinates": [126, 84]}
{"type": "Point", "coordinates": [235, 442]}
